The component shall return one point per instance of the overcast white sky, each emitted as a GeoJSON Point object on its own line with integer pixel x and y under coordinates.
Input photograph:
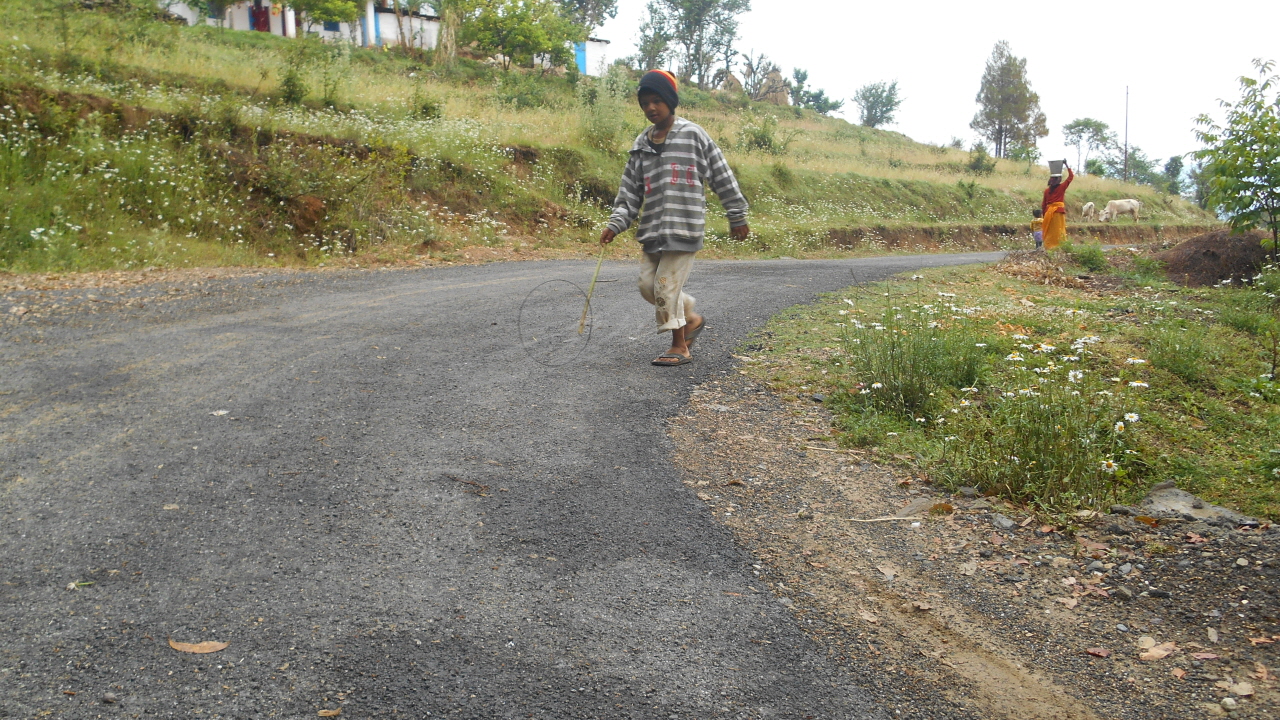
{"type": "Point", "coordinates": [1177, 59]}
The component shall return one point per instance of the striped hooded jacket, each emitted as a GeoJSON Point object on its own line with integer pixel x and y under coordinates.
{"type": "Point", "coordinates": [669, 184]}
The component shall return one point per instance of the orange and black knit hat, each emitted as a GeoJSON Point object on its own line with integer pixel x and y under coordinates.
{"type": "Point", "coordinates": [664, 84]}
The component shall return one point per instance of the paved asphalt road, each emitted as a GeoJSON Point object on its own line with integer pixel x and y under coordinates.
{"type": "Point", "coordinates": [399, 514]}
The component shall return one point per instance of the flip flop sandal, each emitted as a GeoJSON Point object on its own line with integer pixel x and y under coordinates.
{"type": "Point", "coordinates": [691, 335]}
{"type": "Point", "coordinates": [679, 359]}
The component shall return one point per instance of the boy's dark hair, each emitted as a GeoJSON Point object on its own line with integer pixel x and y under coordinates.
{"type": "Point", "coordinates": [1037, 212]}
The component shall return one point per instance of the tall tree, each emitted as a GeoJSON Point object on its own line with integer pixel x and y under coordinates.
{"type": "Point", "coordinates": [1173, 174]}
{"type": "Point", "coordinates": [877, 103]}
{"type": "Point", "coordinates": [1242, 156]}
{"type": "Point", "coordinates": [452, 14]}
{"type": "Point", "coordinates": [758, 72]}
{"type": "Point", "coordinates": [655, 39]}
{"type": "Point", "coordinates": [816, 100]}
{"type": "Point", "coordinates": [704, 31]}
{"type": "Point", "coordinates": [522, 30]}
{"type": "Point", "coordinates": [1087, 136]}
{"type": "Point", "coordinates": [321, 11]}
{"type": "Point", "coordinates": [1142, 169]}
{"type": "Point", "coordinates": [590, 14]}
{"type": "Point", "coordinates": [1009, 112]}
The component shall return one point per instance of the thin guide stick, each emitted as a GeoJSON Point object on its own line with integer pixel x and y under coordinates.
{"type": "Point", "coordinates": [590, 289]}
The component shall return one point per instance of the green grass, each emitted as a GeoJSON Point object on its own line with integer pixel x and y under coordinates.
{"type": "Point", "coordinates": [123, 133]}
{"type": "Point", "coordinates": [1050, 396]}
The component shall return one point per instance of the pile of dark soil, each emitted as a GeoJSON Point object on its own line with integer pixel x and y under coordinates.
{"type": "Point", "coordinates": [1213, 257]}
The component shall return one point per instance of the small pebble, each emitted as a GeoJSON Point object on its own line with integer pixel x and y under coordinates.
{"type": "Point", "coordinates": [109, 697]}
{"type": "Point", "coordinates": [1242, 562]}
{"type": "Point", "coordinates": [1229, 704]}
{"type": "Point", "coordinates": [1122, 627]}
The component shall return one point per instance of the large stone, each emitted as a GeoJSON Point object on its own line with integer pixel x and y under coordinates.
{"type": "Point", "coordinates": [1165, 500]}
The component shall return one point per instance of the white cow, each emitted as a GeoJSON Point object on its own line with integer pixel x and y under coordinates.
{"type": "Point", "coordinates": [1116, 208]}
{"type": "Point", "coordinates": [1088, 211]}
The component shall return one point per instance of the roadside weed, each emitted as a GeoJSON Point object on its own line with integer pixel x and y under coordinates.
{"type": "Point", "coordinates": [1050, 396]}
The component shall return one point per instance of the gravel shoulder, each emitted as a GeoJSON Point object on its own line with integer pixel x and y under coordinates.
{"type": "Point", "coordinates": [953, 606]}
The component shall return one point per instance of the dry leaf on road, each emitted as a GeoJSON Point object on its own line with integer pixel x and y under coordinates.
{"type": "Point", "coordinates": [919, 606]}
{"type": "Point", "coordinates": [1243, 689]}
{"type": "Point", "coordinates": [170, 506]}
{"type": "Point", "coordinates": [889, 571]}
{"type": "Point", "coordinates": [968, 568]}
{"type": "Point", "coordinates": [1069, 602]}
{"type": "Point", "coordinates": [1260, 672]}
{"type": "Point", "coordinates": [1260, 641]}
{"type": "Point", "coordinates": [1205, 656]}
{"type": "Point", "coordinates": [1099, 652]}
{"type": "Point", "coordinates": [868, 617]}
{"type": "Point", "coordinates": [1159, 652]}
{"type": "Point", "coordinates": [1179, 673]}
{"type": "Point", "coordinates": [208, 646]}
{"type": "Point", "coordinates": [330, 713]}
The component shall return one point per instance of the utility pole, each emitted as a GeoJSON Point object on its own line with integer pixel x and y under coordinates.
{"type": "Point", "coordinates": [1126, 133]}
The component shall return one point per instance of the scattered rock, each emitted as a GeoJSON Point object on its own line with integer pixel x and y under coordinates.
{"type": "Point", "coordinates": [1165, 500]}
{"type": "Point", "coordinates": [1229, 704]}
{"type": "Point", "coordinates": [1241, 562]}
{"type": "Point", "coordinates": [1159, 593]}
{"type": "Point", "coordinates": [1122, 628]}
{"type": "Point", "coordinates": [968, 493]}
{"type": "Point", "coordinates": [1124, 592]}
{"type": "Point", "coordinates": [980, 506]}
{"type": "Point", "coordinates": [1125, 569]}
{"type": "Point", "coordinates": [109, 698]}
{"type": "Point", "coordinates": [819, 397]}
{"type": "Point", "coordinates": [1003, 522]}
{"type": "Point", "coordinates": [916, 508]}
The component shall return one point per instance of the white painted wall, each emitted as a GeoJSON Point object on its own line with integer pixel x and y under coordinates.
{"type": "Point", "coordinates": [597, 57]}
{"type": "Point", "coordinates": [422, 32]}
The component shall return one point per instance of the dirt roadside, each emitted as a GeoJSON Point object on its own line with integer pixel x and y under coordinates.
{"type": "Point", "coordinates": [975, 609]}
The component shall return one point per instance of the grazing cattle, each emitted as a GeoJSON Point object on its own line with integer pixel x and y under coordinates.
{"type": "Point", "coordinates": [1116, 208]}
{"type": "Point", "coordinates": [1088, 211]}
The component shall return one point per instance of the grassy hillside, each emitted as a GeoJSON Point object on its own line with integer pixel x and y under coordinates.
{"type": "Point", "coordinates": [127, 142]}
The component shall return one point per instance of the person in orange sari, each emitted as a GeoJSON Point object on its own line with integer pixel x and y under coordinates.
{"type": "Point", "coordinates": [1055, 209]}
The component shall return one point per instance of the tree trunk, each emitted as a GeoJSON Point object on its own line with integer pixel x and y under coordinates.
{"type": "Point", "coordinates": [399, 24]}
{"type": "Point", "coordinates": [447, 43]}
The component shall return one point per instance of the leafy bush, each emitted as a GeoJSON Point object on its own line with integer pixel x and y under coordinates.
{"type": "Point", "coordinates": [761, 134]}
{"type": "Point", "coordinates": [980, 162]}
{"type": "Point", "coordinates": [526, 90]}
{"type": "Point", "coordinates": [1089, 256]}
{"type": "Point", "coordinates": [604, 107]}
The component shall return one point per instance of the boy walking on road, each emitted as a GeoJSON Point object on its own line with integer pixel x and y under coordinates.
{"type": "Point", "coordinates": [670, 162]}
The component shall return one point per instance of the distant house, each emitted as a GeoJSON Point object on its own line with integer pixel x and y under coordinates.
{"type": "Point", "coordinates": [378, 26]}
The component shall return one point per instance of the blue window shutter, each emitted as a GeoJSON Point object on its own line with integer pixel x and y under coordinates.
{"type": "Point", "coordinates": [580, 56]}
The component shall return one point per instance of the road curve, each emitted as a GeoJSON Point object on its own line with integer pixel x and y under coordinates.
{"type": "Point", "coordinates": [399, 514]}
